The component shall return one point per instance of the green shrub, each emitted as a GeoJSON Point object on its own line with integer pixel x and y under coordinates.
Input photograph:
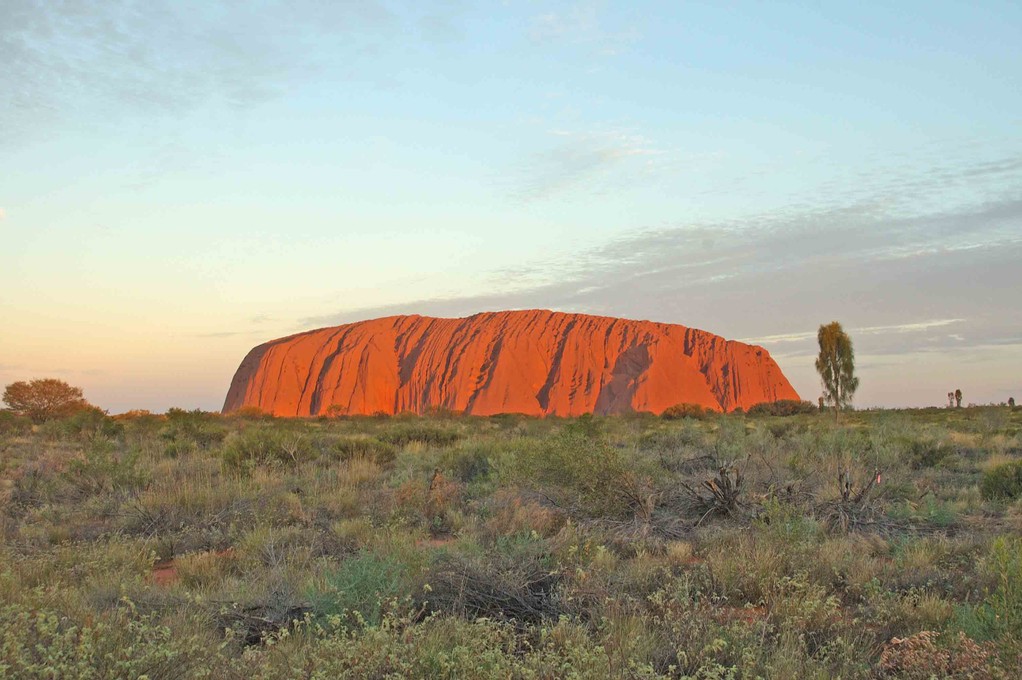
{"type": "Point", "coordinates": [204, 429]}
{"type": "Point", "coordinates": [782, 407]}
{"type": "Point", "coordinates": [430, 435]}
{"type": "Point", "coordinates": [363, 587]}
{"type": "Point", "coordinates": [102, 468]}
{"type": "Point", "coordinates": [266, 446]}
{"type": "Point", "coordinates": [679, 411]}
{"type": "Point", "coordinates": [927, 454]}
{"type": "Point", "coordinates": [583, 471]}
{"type": "Point", "coordinates": [85, 424]}
{"type": "Point", "coordinates": [1002, 482]}
{"type": "Point", "coordinates": [466, 465]}
{"type": "Point", "coordinates": [13, 424]}
{"type": "Point", "coordinates": [1000, 613]}
{"type": "Point", "coordinates": [382, 453]}
{"type": "Point", "coordinates": [43, 644]}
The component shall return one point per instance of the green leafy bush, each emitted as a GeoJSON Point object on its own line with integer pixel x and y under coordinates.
{"type": "Point", "coordinates": [467, 464]}
{"type": "Point", "coordinates": [362, 587]}
{"type": "Point", "coordinates": [85, 424]}
{"type": "Point", "coordinates": [1000, 613]}
{"type": "Point", "coordinates": [1002, 482]}
{"type": "Point", "coordinates": [43, 644]}
{"type": "Point", "coordinates": [424, 433]}
{"type": "Point", "coordinates": [679, 411]}
{"type": "Point", "coordinates": [587, 475]}
{"type": "Point", "coordinates": [201, 428]}
{"type": "Point", "coordinates": [266, 446]}
{"type": "Point", "coordinates": [13, 424]}
{"type": "Point", "coordinates": [783, 407]}
{"type": "Point", "coordinates": [102, 468]}
{"type": "Point", "coordinates": [927, 454]}
{"type": "Point", "coordinates": [380, 452]}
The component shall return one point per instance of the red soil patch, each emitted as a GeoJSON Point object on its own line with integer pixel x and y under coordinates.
{"type": "Point", "coordinates": [748, 615]}
{"type": "Point", "coordinates": [165, 573]}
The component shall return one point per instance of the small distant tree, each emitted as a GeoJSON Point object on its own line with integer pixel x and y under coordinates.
{"type": "Point", "coordinates": [836, 366]}
{"type": "Point", "coordinates": [1011, 402]}
{"type": "Point", "coordinates": [958, 398]}
{"type": "Point", "coordinates": [44, 399]}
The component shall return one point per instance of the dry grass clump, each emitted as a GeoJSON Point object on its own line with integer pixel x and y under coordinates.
{"type": "Point", "coordinates": [920, 657]}
{"type": "Point", "coordinates": [513, 513]}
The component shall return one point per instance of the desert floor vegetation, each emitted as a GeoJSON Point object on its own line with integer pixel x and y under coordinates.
{"type": "Point", "coordinates": [193, 545]}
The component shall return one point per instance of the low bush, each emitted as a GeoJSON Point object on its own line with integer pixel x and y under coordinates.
{"type": "Point", "coordinates": [265, 446]}
{"type": "Point", "coordinates": [86, 424]}
{"type": "Point", "coordinates": [362, 589]}
{"type": "Point", "coordinates": [199, 427]}
{"type": "Point", "coordinates": [423, 433]}
{"type": "Point", "coordinates": [782, 407]}
{"type": "Point", "coordinates": [1002, 482]}
{"type": "Point", "coordinates": [104, 469]}
{"type": "Point", "coordinates": [466, 464]}
{"type": "Point", "coordinates": [580, 472]}
{"type": "Point", "coordinates": [13, 424]}
{"type": "Point", "coordinates": [44, 644]}
{"type": "Point", "coordinates": [679, 411]}
{"type": "Point", "coordinates": [380, 452]}
{"type": "Point", "coordinates": [927, 454]}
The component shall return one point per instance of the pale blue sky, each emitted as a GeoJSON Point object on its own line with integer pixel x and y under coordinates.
{"type": "Point", "coordinates": [183, 180]}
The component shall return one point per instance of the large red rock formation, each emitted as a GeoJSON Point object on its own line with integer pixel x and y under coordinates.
{"type": "Point", "coordinates": [535, 362]}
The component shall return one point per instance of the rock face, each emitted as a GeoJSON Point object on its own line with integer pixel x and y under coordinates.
{"type": "Point", "coordinates": [535, 362]}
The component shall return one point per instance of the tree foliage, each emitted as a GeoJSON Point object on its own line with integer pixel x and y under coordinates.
{"type": "Point", "coordinates": [836, 366]}
{"type": "Point", "coordinates": [44, 398]}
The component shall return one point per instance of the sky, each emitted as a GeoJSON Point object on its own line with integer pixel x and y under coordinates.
{"type": "Point", "coordinates": [181, 181]}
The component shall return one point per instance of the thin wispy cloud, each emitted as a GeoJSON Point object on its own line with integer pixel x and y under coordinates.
{"type": "Point", "coordinates": [863, 330]}
{"type": "Point", "coordinates": [581, 24]}
{"type": "Point", "coordinates": [590, 161]}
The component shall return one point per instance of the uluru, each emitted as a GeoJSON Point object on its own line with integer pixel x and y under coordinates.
{"type": "Point", "coordinates": [534, 362]}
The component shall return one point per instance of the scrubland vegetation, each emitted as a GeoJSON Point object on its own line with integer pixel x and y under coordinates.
{"type": "Point", "coordinates": [705, 546]}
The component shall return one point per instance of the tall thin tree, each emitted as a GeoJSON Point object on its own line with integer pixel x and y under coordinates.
{"type": "Point", "coordinates": [836, 366]}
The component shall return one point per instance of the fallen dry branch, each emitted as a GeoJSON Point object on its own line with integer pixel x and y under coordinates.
{"type": "Point", "coordinates": [720, 495]}
{"type": "Point", "coordinates": [856, 508]}
{"type": "Point", "coordinates": [519, 591]}
{"type": "Point", "coordinates": [255, 623]}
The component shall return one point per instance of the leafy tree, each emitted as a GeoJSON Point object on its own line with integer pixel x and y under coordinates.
{"type": "Point", "coordinates": [958, 398]}
{"type": "Point", "coordinates": [836, 366]}
{"type": "Point", "coordinates": [44, 399]}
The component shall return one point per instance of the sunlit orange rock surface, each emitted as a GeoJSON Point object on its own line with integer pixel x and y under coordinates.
{"type": "Point", "coordinates": [535, 362]}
